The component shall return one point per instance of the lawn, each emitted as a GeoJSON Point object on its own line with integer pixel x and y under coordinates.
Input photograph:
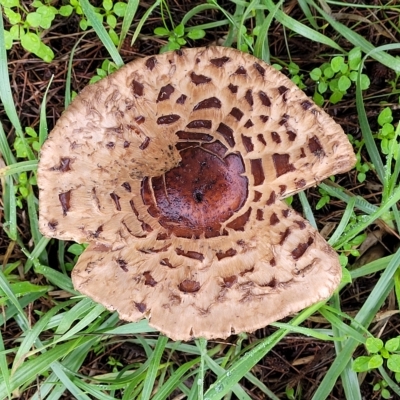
{"type": "Point", "coordinates": [57, 343]}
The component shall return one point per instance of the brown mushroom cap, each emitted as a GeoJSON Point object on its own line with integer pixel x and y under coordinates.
{"type": "Point", "coordinates": [173, 169]}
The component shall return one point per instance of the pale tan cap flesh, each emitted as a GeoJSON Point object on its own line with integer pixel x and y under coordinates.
{"type": "Point", "coordinates": [173, 169]}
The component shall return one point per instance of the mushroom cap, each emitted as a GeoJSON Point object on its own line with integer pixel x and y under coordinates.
{"type": "Point", "coordinates": [174, 169]}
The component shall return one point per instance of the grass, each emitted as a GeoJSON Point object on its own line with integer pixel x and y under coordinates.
{"type": "Point", "coordinates": [55, 342]}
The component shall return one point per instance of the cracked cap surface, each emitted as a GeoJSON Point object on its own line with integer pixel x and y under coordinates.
{"type": "Point", "coordinates": [173, 169]}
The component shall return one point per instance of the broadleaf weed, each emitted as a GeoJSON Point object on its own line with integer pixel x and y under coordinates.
{"type": "Point", "coordinates": [336, 77]}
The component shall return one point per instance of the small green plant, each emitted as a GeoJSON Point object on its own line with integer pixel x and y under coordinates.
{"type": "Point", "coordinates": [294, 73]}
{"type": "Point", "coordinates": [114, 363]}
{"type": "Point", "coordinates": [361, 167]}
{"type": "Point", "coordinates": [387, 138]}
{"type": "Point", "coordinates": [31, 139]}
{"type": "Point", "coordinates": [107, 67]}
{"type": "Point", "coordinates": [76, 249]}
{"type": "Point", "coordinates": [109, 13]}
{"type": "Point", "coordinates": [380, 351]}
{"type": "Point", "coordinates": [381, 387]}
{"type": "Point", "coordinates": [324, 200]}
{"type": "Point", "coordinates": [292, 394]}
{"type": "Point", "coordinates": [23, 187]}
{"type": "Point", "coordinates": [296, 77]}
{"type": "Point", "coordinates": [18, 285]}
{"type": "Point", "coordinates": [28, 23]}
{"type": "Point", "coordinates": [350, 248]}
{"type": "Point", "coordinates": [336, 78]}
{"type": "Point", "coordinates": [248, 37]}
{"type": "Point", "coordinates": [289, 200]}
{"type": "Point", "coordinates": [27, 26]}
{"type": "Point", "coordinates": [387, 133]}
{"type": "Point", "coordinates": [177, 36]}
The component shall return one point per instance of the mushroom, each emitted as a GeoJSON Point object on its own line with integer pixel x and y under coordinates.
{"type": "Point", "coordinates": [173, 169]}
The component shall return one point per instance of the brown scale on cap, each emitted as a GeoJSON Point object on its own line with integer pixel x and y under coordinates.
{"type": "Point", "coordinates": [173, 169]}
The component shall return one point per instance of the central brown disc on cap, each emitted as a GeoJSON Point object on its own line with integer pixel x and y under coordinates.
{"type": "Point", "coordinates": [203, 191]}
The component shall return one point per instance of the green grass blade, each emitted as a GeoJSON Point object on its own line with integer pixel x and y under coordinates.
{"type": "Point", "coordinates": [11, 311]}
{"type": "Point", "coordinates": [30, 339]}
{"type": "Point", "coordinates": [55, 278]}
{"type": "Point", "coordinates": [49, 385]}
{"type": "Point", "coordinates": [5, 150]}
{"type": "Point", "coordinates": [177, 377]}
{"type": "Point", "coordinates": [60, 372]}
{"type": "Point", "coordinates": [93, 312]}
{"type": "Point", "coordinates": [300, 28]}
{"type": "Point", "coordinates": [249, 10]}
{"type": "Point", "coordinates": [350, 382]}
{"type": "Point", "coordinates": [344, 222]}
{"type": "Point", "coordinates": [307, 210]}
{"type": "Point", "coordinates": [31, 369]}
{"type": "Point", "coordinates": [257, 383]}
{"type": "Point", "coordinates": [343, 328]}
{"type": "Point", "coordinates": [94, 390]}
{"type": "Point", "coordinates": [210, 25]}
{"type": "Point", "coordinates": [368, 220]}
{"type": "Point", "coordinates": [142, 21]}
{"type": "Point", "coordinates": [389, 180]}
{"type": "Point", "coordinates": [22, 287]}
{"type": "Point", "coordinates": [10, 209]}
{"type": "Point", "coordinates": [339, 193]}
{"type": "Point", "coordinates": [81, 309]}
{"type": "Point", "coordinates": [9, 294]}
{"type": "Point", "coordinates": [396, 214]}
{"type": "Point", "coordinates": [202, 345]}
{"type": "Point", "coordinates": [370, 143]}
{"type": "Point", "coordinates": [68, 96]}
{"type": "Point", "coordinates": [219, 371]}
{"type": "Point", "coordinates": [5, 375]}
{"type": "Point", "coordinates": [193, 394]}
{"type": "Point", "coordinates": [6, 94]}
{"type": "Point", "coordinates": [339, 328]}
{"type": "Point", "coordinates": [33, 217]}
{"type": "Point", "coordinates": [358, 41]}
{"type": "Point", "coordinates": [33, 258]}
{"type": "Point", "coordinates": [317, 334]}
{"type": "Point", "coordinates": [392, 384]}
{"type": "Point", "coordinates": [361, 5]}
{"type": "Point", "coordinates": [101, 32]}
{"type": "Point", "coordinates": [336, 318]}
{"type": "Point", "coordinates": [61, 256]}
{"type": "Point", "coordinates": [147, 346]}
{"type": "Point", "coordinates": [307, 12]}
{"type": "Point", "coordinates": [184, 372]}
{"type": "Point", "coordinates": [130, 13]}
{"type": "Point", "coordinates": [371, 268]}
{"type": "Point", "coordinates": [241, 367]}
{"type": "Point", "coordinates": [132, 391]}
{"type": "Point", "coordinates": [394, 179]}
{"type": "Point", "coordinates": [196, 10]}
{"type": "Point", "coordinates": [233, 26]}
{"type": "Point", "coordinates": [261, 47]}
{"type": "Point", "coordinates": [133, 328]}
{"type": "Point", "coordinates": [19, 167]}
{"type": "Point", "coordinates": [365, 316]}
{"type": "Point", "coordinates": [153, 368]}
{"type": "Point", "coordinates": [32, 204]}
{"type": "Point", "coordinates": [43, 130]}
